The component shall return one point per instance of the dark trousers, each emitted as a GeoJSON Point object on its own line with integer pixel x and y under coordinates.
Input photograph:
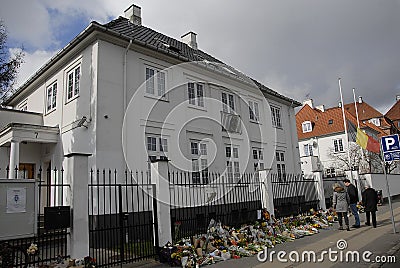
{"type": "Point", "coordinates": [340, 218]}
{"type": "Point", "coordinates": [373, 213]}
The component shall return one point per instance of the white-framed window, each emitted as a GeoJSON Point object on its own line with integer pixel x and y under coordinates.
{"type": "Point", "coordinates": [330, 172]}
{"type": "Point", "coordinates": [232, 163]}
{"type": "Point", "coordinates": [228, 102]}
{"type": "Point", "coordinates": [254, 111]}
{"type": "Point", "coordinates": [199, 162]}
{"type": "Point", "coordinates": [308, 150]}
{"type": "Point", "coordinates": [163, 145]}
{"type": "Point", "coordinates": [155, 82]}
{"type": "Point", "coordinates": [375, 121]}
{"type": "Point", "coordinates": [51, 97]}
{"type": "Point", "coordinates": [306, 126]}
{"type": "Point", "coordinates": [196, 93]}
{"type": "Point", "coordinates": [338, 145]}
{"type": "Point", "coordinates": [276, 116]}
{"type": "Point", "coordinates": [258, 158]}
{"type": "Point", "coordinates": [152, 144]}
{"type": "Point", "coordinates": [280, 165]}
{"type": "Point", "coordinates": [73, 82]}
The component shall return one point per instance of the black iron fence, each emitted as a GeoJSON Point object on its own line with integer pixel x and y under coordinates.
{"type": "Point", "coordinates": [122, 220]}
{"type": "Point", "coordinates": [233, 201]}
{"type": "Point", "coordinates": [293, 194]}
{"type": "Point", "coordinates": [51, 242]}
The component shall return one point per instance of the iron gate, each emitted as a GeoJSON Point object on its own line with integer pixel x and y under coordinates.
{"type": "Point", "coordinates": [51, 242]}
{"type": "Point", "coordinates": [294, 194]}
{"type": "Point", "coordinates": [121, 217]}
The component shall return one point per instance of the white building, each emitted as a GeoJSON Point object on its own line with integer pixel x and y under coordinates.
{"type": "Point", "coordinates": [323, 144]}
{"type": "Point", "coordinates": [123, 94]}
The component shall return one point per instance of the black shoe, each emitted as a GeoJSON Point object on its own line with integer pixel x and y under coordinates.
{"type": "Point", "coordinates": [348, 228]}
{"type": "Point", "coordinates": [367, 223]}
{"type": "Point", "coordinates": [356, 226]}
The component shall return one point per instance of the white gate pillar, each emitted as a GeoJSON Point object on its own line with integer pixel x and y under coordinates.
{"type": "Point", "coordinates": [14, 160]}
{"type": "Point", "coordinates": [78, 173]}
{"type": "Point", "coordinates": [159, 176]}
{"type": "Point", "coordinates": [266, 191]}
{"type": "Point", "coordinates": [319, 185]}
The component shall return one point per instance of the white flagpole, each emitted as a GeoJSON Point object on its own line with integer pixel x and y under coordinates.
{"type": "Point", "coordinates": [345, 130]}
{"type": "Point", "coordinates": [355, 105]}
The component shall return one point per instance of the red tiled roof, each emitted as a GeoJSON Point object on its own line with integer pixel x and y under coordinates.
{"type": "Point", "coordinates": [324, 123]}
{"type": "Point", "coordinates": [394, 112]}
{"type": "Point", "coordinates": [365, 111]}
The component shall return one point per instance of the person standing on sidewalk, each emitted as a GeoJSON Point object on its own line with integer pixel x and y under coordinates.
{"type": "Point", "coordinates": [370, 202]}
{"type": "Point", "coordinates": [341, 202]}
{"type": "Point", "coordinates": [352, 191]}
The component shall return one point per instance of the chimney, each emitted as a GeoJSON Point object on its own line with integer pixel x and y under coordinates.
{"type": "Point", "coordinates": [321, 108]}
{"type": "Point", "coordinates": [190, 39]}
{"type": "Point", "coordinates": [340, 104]}
{"type": "Point", "coordinates": [133, 13]}
{"type": "Point", "coordinates": [397, 97]}
{"type": "Point", "coordinates": [309, 102]}
{"type": "Point", "coordinates": [360, 100]}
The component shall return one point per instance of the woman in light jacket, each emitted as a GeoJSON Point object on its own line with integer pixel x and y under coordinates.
{"type": "Point", "coordinates": [341, 202]}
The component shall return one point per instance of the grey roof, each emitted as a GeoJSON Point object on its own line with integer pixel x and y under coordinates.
{"type": "Point", "coordinates": [141, 35]}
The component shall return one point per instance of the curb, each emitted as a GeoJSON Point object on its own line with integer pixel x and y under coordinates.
{"type": "Point", "coordinates": [391, 252]}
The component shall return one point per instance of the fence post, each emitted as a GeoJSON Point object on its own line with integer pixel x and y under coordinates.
{"type": "Point", "coordinates": [159, 176]}
{"type": "Point", "coordinates": [320, 189]}
{"type": "Point", "coordinates": [267, 195]}
{"type": "Point", "coordinates": [78, 175]}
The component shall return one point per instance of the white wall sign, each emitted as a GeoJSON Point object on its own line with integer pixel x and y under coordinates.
{"type": "Point", "coordinates": [16, 200]}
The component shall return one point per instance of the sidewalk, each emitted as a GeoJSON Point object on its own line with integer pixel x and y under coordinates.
{"type": "Point", "coordinates": [379, 241]}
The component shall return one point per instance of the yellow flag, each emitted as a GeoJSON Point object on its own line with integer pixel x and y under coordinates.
{"type": "Point", "coordinates": [362, 138]}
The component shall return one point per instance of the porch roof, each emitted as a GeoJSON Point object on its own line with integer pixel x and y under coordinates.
{"type": "Point", "coordinates": [21, 132]}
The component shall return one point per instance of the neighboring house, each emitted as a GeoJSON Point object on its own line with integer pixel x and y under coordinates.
{"type": "Point", "coordinates": [322, 140]}
{"type": "Point", "coordinates": [367, 113]}
{"type": "Point", "coordinates": [109, 94]}
{"type": "Point", "coordinates": [393, 117]}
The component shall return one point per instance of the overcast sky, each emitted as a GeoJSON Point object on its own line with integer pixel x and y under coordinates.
{"type": "Point", "coordinates": [299, 48]}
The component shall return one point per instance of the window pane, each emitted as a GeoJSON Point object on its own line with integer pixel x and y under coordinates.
{"type": "Point", "coordinates": [191, 95]}
{"type": "Point", "coordinates": [282, 157]}
{"type": "Point", "coordinates": [49, 98]}
{"type": "Point", "coordinates": [255, 154]}
{"type": "Point", "coordinates": [163, 145]}
{"type": "Point", "coordinates": [251, 110]}
{"type": "Point", "coordinates": [260, 155]}
{"type": "Point", "coordinates": [77, 79]}
{"type": "Point", "coordinates": [277, 155]}
{"type": "Point", "coordinates": [200, 95]}
{"type": "Point", "coordinates": [54, 99]}
{"type": "Point", "coordinates": [151, 144]}
{"type": "Point", "coordinates": [228, 151]}
{"type": "Point", "coordinates": [235, 152]}
{"type": "Point", "coordinates": [149, 81]}
{"type": "Point", "coordinates": [224, 102]}
{"type": "Point", "coordinates": [70, 85]}
{"type": "Point", "coordinates": [194, 148]}
{"type": "Point", "coordinates": [161, 83]}
{"type": "Point", "coordinates": [256, 112]}
{"type": "Point", "coordinates": [203, 149]}
{"type": "Point", "coordinates": [231, 102]}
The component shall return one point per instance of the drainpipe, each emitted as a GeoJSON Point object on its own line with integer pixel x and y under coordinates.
{"type": "Point", "coordinates": [124, 93]}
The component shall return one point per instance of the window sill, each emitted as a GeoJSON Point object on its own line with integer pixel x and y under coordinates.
{"type": "Point", "coordinates": [255, 122]}
{"type": "Point", "coordinates": [72, 99]}
{"type": "Point", "coordinates": [164, 99]}
{"type": "Point", "coordinates": [200, 108]}
{"type": "Point", "coordinates": [50, 111]}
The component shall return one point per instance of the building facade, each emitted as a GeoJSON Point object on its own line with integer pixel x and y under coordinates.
{"type": "Point", "coordinates": [127, 95]}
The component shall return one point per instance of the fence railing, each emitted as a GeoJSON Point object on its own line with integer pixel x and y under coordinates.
{"type": "Point", "coordinates": [293, 194]}
{"type": "Point", "coordinates": [193, 205]}
{"type": "Point", "coordinates": [52, 191]}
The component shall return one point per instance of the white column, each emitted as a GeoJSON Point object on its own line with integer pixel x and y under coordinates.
{"type": "Point", "coordinates": [14, 159]}
{"type": "Point", "coordinates": [78, 175]}
{"type": "Point", "coordinates": [319, 184]}
{"type": "Point", "coordinates": [266, 191]}
{"type": "Point", "coordinates": [159, 176]}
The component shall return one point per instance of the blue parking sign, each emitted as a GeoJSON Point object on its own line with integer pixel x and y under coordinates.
{"type": "Point", "coordinates": [390, 143]}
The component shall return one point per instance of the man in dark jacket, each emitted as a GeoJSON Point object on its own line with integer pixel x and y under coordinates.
{"type": "Point", "coordinates": [370, 201]}
{"type": "Point", "coordinates": [352, 191]}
